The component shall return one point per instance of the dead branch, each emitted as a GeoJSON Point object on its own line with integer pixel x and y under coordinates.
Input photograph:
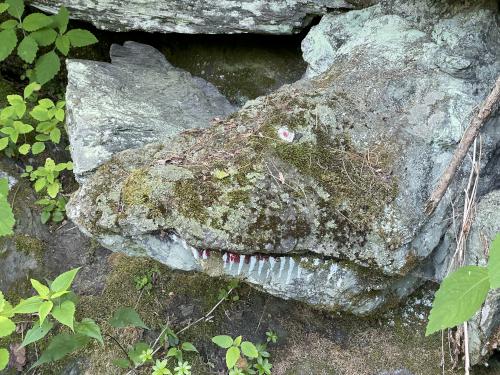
{"type": "Point", "coordinates": [470, 134]}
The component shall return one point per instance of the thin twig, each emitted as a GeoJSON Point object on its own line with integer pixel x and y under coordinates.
{"type": "Point", "coordinates": [117, 343]}
{"type": "Point", "coordinates": [469, 136]}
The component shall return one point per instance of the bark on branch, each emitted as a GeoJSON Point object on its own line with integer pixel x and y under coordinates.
{"type": "Point", "coordinates": [470, 134]}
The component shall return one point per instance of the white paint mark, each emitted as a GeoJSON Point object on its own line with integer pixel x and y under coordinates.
{"type": "Point", "coordinates": [253, 260]}
{"type": "Point", "coordinates": [291, 266]}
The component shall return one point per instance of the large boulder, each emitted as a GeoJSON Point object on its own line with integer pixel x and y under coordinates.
{"type": "Point", "coordinates": [200, 17]}
{"type": "Point", "coordinates": [137, 99]}
{"type": "Point", "coordinates": [316, 192]}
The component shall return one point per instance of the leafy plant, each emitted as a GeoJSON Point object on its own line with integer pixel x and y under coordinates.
{"type": "Point", "coordinates": [53, 304]}
{"type": "Point", "coordinates": [46, 178]}
{"type": "Point", "coordinates": [231, 286]}
{"type": "Point", "coordinates": [239, 354]}
{"type": "Point", "coordinates": [39, 33]}
{"type": "Point", "coordinates": [146, 280]}
{"type": "Point", "coordinates": [463, 292]}
{"type": "Point", "coordinates": [7, 220]}
{"type": "Point", "coordinates": [53, 209]}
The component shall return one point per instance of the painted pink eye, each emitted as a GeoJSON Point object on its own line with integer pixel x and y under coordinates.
{"type": "Point", "coordinates": [286, 135]}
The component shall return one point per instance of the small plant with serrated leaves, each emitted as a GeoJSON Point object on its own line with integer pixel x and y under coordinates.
{"type": "Point", "coordinates": [145, 281]}
{"type": "Point", "coordinates": [232, 286]}
{"type": "Point", "coordinates": [37, 34]}
{"type": "Point", "coordinates": [7, 220]}
{"type": "Point", "coordinates": [55, 306]}
{"type": "Point", "coordinates": [26, 126]}
{"type": "Point", "coordinates": [463, 292]}
{"type": "Point", "coordinates": [243, 357]}
{"type": "Point", "coordinates": [46, 178]}
{"type": "Point", "coordinates": [52, 209]}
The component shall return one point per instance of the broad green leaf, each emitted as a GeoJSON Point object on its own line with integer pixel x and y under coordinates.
{"type": "Point", "coordinates": [65, 313]}
{"type": "Point", "coordinates": [459, 297]}
{"type": "Point", "coordinates": [4, 358]}
{"type": "Point", "coordinates": [7, 220]}
{"type": "Point", "coordinates": [3, 7]}
{"type": "Point", "coordinates": [44, 37]}
{"type": "Point", "coordinates": [61, 19]}
{"type": "Point", "coordinates": [188, 347]}
{"type": "Point", "coordinates": [37, 332]}
{"type": "Point", "coordinates": [9, 24]}
{"type": "Point", "coordinates": [249, 349]}
{"type": "Point", "coordinates": [81, 38]}
{"type": "Point", "coordinates": [53, 189]}
{"type": "Point", "coordinates": [135, 353]}
{"type": "Point", "coordinates": [16, 8]}
{"type": "Point", "coordinates": [46, 103]}
{"type": "Point", "coordinates": [27, 49]}
{"type": "Point", "coordinates": [232, 356]}
{"type": "Point", "coordinates": [40, 183]}
{"type": "Point", "coordinates": [89, 328]}
{"type": "Point", "coordinates": [7, 326]}
{"type": "Point", "coordinates": [494, 263]}
{"type": "Point", "coordinates": [32, 87]}
{"type": "Point", "coordinates": [223, 341]}
{"type": "Point", "coordinates": [45, 216]}
{"type": "Point", "coordinates": [63, 281]}
{"type": "Point", "coordinates": [8, 41]}
{"type": "Point", "coordinates": [24, 149]}
{"type": "Point", "coordinates": [4, 142]}
{"type": "Point", "coordinates": [38, 148]}
{"type": "Point", "coordinates": [7, 311]}
{"type": "Point", "coordinates": [60, 346]}
{"type": "Point", "coordinates": [39, 113]}
{"type": "Point", "coordinates": [60, 114]}
{"type": "Point", "coordinates": [46, 67]}
{"type": "Point", "coordinates": [44, 310]}
{"type": "Point", "coordinates": [41, 289]}
{"type": "Point", "coordinates": [36, 21]}
{"type": "Point", "coordinates": [22, 128]}
{"type": "Point", "coordinates": [62, 44]}
{"type": "Point", "coordinates": [126, 317]}
{"type": "Point", "coordinates": [237, 341]}
{"type": "Point", "coordinates": [122, 363]}
{"type": "Point", "coordinates": [28, 306]}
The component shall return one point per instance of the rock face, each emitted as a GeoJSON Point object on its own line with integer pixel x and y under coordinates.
{"type": "Point", "coordinates": [317, 191]}
{"type": "Point", "coordinates": [137, 99]}
{"type": "Point", "coordinates": [484, 328]}
{"type": "Point", "coordinates": [198, 17]}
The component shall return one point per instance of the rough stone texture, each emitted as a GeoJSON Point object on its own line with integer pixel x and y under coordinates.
{"type": "Point", "coordinates": [484, 328]}
{"type": "Point", "coordinates": [198, 17]}
{"type": "Point", "coordinates": [371, 135]}
{"type": "Point", "coordinates": [137, 99]}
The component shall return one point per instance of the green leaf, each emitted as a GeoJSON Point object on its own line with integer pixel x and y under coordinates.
{"type": "Point", "coordinates": [36, 21]}
{"type": "Point", "coordinates": [249, 349]}
{"type": "Point", "coordinates": [24, 149]}
{"type": "Point", "coordinates": [16, 8]}
{"type": "Point", "coordinates": [37, 332]}
{"type": "Point", "coordinates": [135, 353]}
{"type": "Point", "coordinates": [38, 148]}
{"type": "Point", "coordinates": [44, 310]}
{"type": "Point", "coordinates": [32, 87]}
{"type": "Point", "coordinates": [4, 191]}
{"type": "Point", "coordinates": [8, 41]}
{"type": "Point", "coordinates": [39, 113]}
{"type": "Point", "coordinates": [7, 326]}
{"type": "Point", "coordinates": [44, 37]}
{"type": "Point", "coordinates": [494, 263]}
{"type": "Point", "coordinates": [3, 7]}
{"type": "Point", "coordinates": [65, 313]}
{"type": "Point", "coordinates": [41, 289]}
{"type": "Point", "coordinates": [232, 356]}
{"type": "Point", "coordinates": [46, 67]}
{"type": "Point", "coordinates": [237, 341]}
{"type": "Point", "coordinates": [28, 306]}
{"type": "Point", "coordinates": [53, 189]}
{"type": "Point", "coordinates": [7, 220]}
{"type": "Point", "coordinates": [45, 217]}
{"type": "Point", "coordinates": [63, 281]}
{"type": "Point", "coordinates": [60, 346]}
{"type": "Point", "coordinates": [61, 19]}
{"type": "Point", "coordinates": [223, 341]}
{"type": "Point", "coordinates": [459, 297]}
{"type": "Point", "coordinates": [46, 103]}
{"type": "Point", "coordinates": [40, 184]}
{"type": "Point", "coordinates": [126, 317]}
{"type": "Point", "coordinates": [122, 363]}
{"type": "Point", "coordinates": [62, 44]}
{"type": "Point", "coordinates": [188, 347]}
{"type": "Point", "coordinates": [89, 328]}
{"type": "Point", "coordinates": [4, 142]}
{"type": "Point", "coordinates": [4, 358]}
{"type": "Point", "coordinates": [55, 135]}
{"type": "Point", "coordinates": [27, 49]}
{"type": "Point", "coordinates": [8, 25]}
{"type": "Point", "coordinates": [81, 38]}
{"type": "Point", "coordinates": [60, 114]}
{"type": "Point", "coordinates": [220, 174]}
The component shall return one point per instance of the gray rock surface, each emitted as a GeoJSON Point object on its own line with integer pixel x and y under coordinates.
{"type": "Point", "coordinates": [484, 328]}
{"type": "Point", "coordinates": [137, 99]}
{"type": "Point", "coordinates": [316, 192]}
{"type": "Point", "coordinates": [198, 17]}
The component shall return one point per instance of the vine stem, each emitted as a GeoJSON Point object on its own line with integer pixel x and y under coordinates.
{"type": "Point", "coordinates": [117, 343]}
{"type": "Point", "coordinates": [204, 317]}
